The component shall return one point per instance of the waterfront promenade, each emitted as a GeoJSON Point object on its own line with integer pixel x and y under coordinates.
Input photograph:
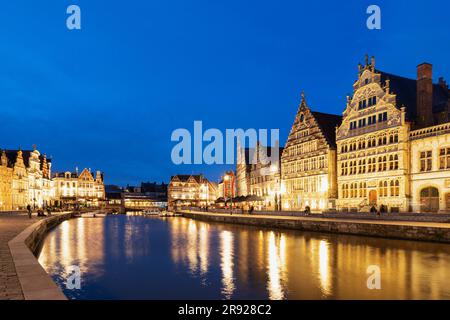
{"type": "Point", "coordinates": [21, 276]}
{"type": "Point", "coordinates": [386, 228]}
{"type": "Point", "coordinates": [11, 224]}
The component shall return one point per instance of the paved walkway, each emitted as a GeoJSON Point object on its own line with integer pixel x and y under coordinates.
{"type": "Point", "coordinates": [10, 226]}
{"type": "Point", "coordinates": [320, 219]}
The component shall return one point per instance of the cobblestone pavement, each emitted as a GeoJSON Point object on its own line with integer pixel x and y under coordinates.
{"type": "Point", "coordinates": [11, 224]}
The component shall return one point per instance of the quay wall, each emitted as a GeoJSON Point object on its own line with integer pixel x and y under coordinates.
{"type": "Point", "coordinates": [35, 282]}
{"type": "Point", "coordinates": [395, 230]}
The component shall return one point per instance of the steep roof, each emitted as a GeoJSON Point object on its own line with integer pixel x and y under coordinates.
{"type": "Point", "coordinates": [328, 123]}
{"type": "Point", "coordinates": [405, 90]}
{"type": "Point", "coordinates": [185, 177]}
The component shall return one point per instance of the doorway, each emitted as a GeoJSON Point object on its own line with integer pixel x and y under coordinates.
{"type": "Point", "coordinates": [372, 197]}
{"type": "Point", "coordinates": [429, 199]}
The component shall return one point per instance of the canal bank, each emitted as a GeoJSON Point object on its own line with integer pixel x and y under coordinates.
{"type": "Point", "coordinates": [406, 230]}
{"type": "Point", "coordinates": [35, 283]}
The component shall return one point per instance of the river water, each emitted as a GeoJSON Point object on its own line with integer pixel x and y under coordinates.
{"type": "Point", "coordinates": [133, 257]}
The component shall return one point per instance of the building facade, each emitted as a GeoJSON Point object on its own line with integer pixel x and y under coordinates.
{"type": "Point", "coordinates": [379, 153]}
{"type": "Point", "coordinates": [190, 190]}
{"type": "Point", "coordinates": [30, 182]}
{"type": "Point", "coordinates": [430, 169]}
{"type": "Point", "coordinates": [72, 188]}
{"type": "Point", "coordinates": [308, 162]}
{"type": "Point", "coordinates": [228, 185]}
{"type": "Point", "coordinates": [6, 175]}
{"type": "Point", "coordinates": [265, 177]}
{"type": "Point", "coordinates": [243, 170]}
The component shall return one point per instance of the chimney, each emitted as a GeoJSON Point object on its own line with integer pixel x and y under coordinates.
{"type": "Point", "coordinates": [424, 95]}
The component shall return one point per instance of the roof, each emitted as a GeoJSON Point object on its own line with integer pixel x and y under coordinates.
{"type": "Point", "coordinates": [63, 174]}
{"type": "Point", "coordinates": [405, 90]}
{"type": "Point", "coordinates": [26, 154]}
{"type": "Point", "coordinates": [185, 177]}
{"type": "Point", "coordinates": [328, 123]}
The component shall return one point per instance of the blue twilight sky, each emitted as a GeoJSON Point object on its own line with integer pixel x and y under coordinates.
{"type": "Point", "coordinates": [110, 95]}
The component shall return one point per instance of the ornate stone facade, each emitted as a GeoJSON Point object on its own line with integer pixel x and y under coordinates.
{"type": "Point", "coordinates": [82, 189]}
{"type": "Point", "coordinates": [6, 175]}
{"type": "Point", "coordinates": [30, 182]}
{"type": "Point", "coordinates": [190, 190]}
{"type": "Point", "coordinates": [430, 169]}
{"type": "Point", "coordinates": [308, 162]}
{"type": "Point", "coordinates": [265, 177]}
{"type": "Point", "coordinates": [378, 154]}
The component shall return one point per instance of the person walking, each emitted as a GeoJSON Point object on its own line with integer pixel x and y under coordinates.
{"type": "Point", "coordinates": [29, 211]}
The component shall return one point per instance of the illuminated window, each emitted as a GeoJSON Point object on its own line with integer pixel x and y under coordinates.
{"type": "Point", "coordinates": [395, 188]}
{"type": "Point", "coordinates": [362, 190]}
{"type": "Point", "coordinates": [426, 161]}
{"type": "Point", "coordinates": [444, 158]}
{"type": "Point", "coordinates": [382, 163]}
{"type": "Point", "coordinates": [383, 188]}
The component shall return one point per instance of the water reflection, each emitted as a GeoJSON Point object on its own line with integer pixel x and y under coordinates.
{"type": "Point", "coordinates": [176, 258]}
{"type": "Point", "coordinates": [75, 243]}
{"type": "Point", "coordinates": [276, 265]}
{"type": "Point", "coordinates": [324, 268]}
{"type": "Point", "coordinates": [227, 264]}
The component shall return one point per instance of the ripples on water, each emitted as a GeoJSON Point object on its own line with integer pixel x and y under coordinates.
{"type": "Point", "coordinates": [130, 257]}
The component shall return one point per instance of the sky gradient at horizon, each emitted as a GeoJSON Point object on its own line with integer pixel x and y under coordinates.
{"type": "Point", "coordinates": [109, 96]}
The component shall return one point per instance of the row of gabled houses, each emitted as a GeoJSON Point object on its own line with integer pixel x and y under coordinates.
{"type": "Point", "coordinates": [26, 178]}
{"type": "Point", "coordinates": [389, 150]}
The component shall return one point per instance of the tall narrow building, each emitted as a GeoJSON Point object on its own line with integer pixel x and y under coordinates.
{"type": "Point", "coordinates": [308, 162]}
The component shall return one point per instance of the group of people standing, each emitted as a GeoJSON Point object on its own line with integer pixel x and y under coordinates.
{"type": "Point", "coordinates": [40, 212]}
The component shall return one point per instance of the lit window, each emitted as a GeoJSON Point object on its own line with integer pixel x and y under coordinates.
{"type": "Point", "coordinates": [444, 158]}
{"type": "Point", "coordinates": [426, 161]}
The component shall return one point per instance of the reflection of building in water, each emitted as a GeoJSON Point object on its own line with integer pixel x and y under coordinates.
{"type": "Point", "coordinates": [227, 263]}
{"type": "Point", "coordinates": [190, 244]}
{"type": "Point", "coordinates": [251, 263]}
{"type": "Point", "coordinates": [245, 250]}
{"type": "Point", "coordinates": [276, 260]}
{"type": "Point", "coordinates": [203, 247]}
{"type": "Point", "coordinates": [124, 237]}
{"type": "Point", "coordinates": [76, 242]}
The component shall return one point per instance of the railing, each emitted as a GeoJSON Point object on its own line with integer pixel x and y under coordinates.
{"type": "Point", "coordinates": [430, 131]}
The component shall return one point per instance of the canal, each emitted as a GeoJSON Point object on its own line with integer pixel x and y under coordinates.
{"type": "Point", "coordinates": [133, 257]}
